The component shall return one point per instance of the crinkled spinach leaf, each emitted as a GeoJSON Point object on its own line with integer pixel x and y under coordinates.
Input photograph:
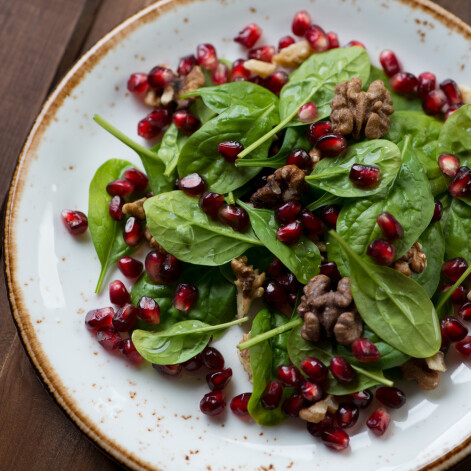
{"type": "Point", "coordinates": [170, 147]}
{"type": "Point", "coordinates": [456, 228]}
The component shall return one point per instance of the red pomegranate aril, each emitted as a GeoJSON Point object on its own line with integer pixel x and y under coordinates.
{"type": "Point", "coordinates": [229, 150]}
{"type": "Point", "coordinates": [426, 82]}
{"type": "Point", "coordinates": [275, 294]}
{"type": "Point", "coordinates": [453, 329]}
{"type": "Point", "coordinates": [162, 268]}
{"type": "Point", "coordinates": [186, 121]}
{"type": "Point", "coordinates": [289, 376]}
{"type": "Point", "coordinates": [211, 203]}
{"type": "Point", "coordinates": [292, 405]}
{"type": "Point", "coordinates": [311, 391]}
{"type": "Point", "coordinates": [342, 370]}
{"type": "Point", "coordinates": [137, 178]}
{"type": "Point", "coordinates": [330, 214]}
{"type": "Point", "coordinates": [99, 318]}
{"type": "Point", "coordinates": [128, 350]}
{"type": "Point", "coordinates": [454, 268]}
{"type": "Point", "coordinates": [192, 185]}
{"type": "Point", "coordinates": [206, 56]}
{"type": "Point", "coordinates": [159, 77]}
{"type": "Point", "coordinates": [403, 82]}
{"type": "Point", "coordinates": [276, 268]}
{"type": "Point", "coordinates": [119, 295]}
{"type": "Point", "coordinates": [459, 295]}
{"type": "Point", "coordinates": [264, 53]}
{"type": "Point", "coordinates": [271, 397]}
{"type": "Point", "coordinates": [391, 397]}
{"type": "Point", "coordinates": [219, 379]}
{"type": "Point", "coordinates": [220, 75]}
{"type": "Point", "coordinates": [452, 92]}
{"type": "Point", "coordinates": [287, 212]}
{"type": "Point", "coordinates": [465, 311]}
{"type": "Point", "coordinates": [193, 364]}
{"type": "Point", "coordinates": [390, 226]}
{"type": "Point", "coordinates": [362, 398]}
{"type": "Point", "coordinates": [365, 351]}
{"type": "Point", "coordinates": [354, 42]}
{"type": "Point", "coordinates": [289, 282]}
{"type": "Point", "coordinates": [390, 63]}
{"type": "Point", "coordinates": [147, 129]}
{"type": "Point", "coordinates": [149, 310]}
{"type": "Point", "coordinates": [451, 110]}
{"type": "Point", "coordinates": [347, 415]}
{"type": "Point", "coordinates": [277, 81]}
{"type": "Point", "coordinates": [130, 267]}
{"type": "Point", "coordinates": [317, 38]}
{"type": "Point", "coordinates": [133, 232]}
{"type": "Point", "coordinates": [234, 216]}
{"type": "Point", "coordinates": [249, 35]}
{"type": "Point", "coordinates": [137, 83]}
{"type": "Point", "coordinates": [75, 222]}
{"type": "Point", "coordinates": [333, 40]}
{"type": "Point", "coordinates": [115, 208]}
{"type": "Point", "coordinates": [460, 187]}
{"type": "Point", "coordinates": [239, 404]}
{"type": "Point", "coordinates": [213, 403]}
{"type": "Point", "coordinates": [315, 429]}
{"type": "Point", "coordinates": [364, 176]}
{"type": "Point", "coordinates": [434, 102]}
{"type": "Point", "coordinates": [125, 318]}
{"type": "Point", "coordinates": [307, 113]}
{"type": "Point", "coordinates": [285, 41]}
{"type": "Point", "coordinates": [290, 233]}
{"type": "Point", "coordinates": [381, 251]}
{"type": "Point", "coordinates": [437, 211]}
{"type": "Point", "coordinates": [168, 370]}
{"type": "Point", "coordinates": [311, 222]}
{"type": "Point", "coordinates": [186, 64]}
{"type": "Point", "coordinates": [185, 296]}
{"type": "Point", "coordinates": [464, 347]}
{"type": "Point", "coordinates": [300, 158]}
{"type": "Point", "coordinates": [331, 145]}
{"type": "Point", "coordinates": [449, 164]}
{"type": "Point", "coordinates": [379, 421]}
{"type": "Point", "coordinates": [335, 438]}
{"type": "Point", "coordinates": [120, 187]}
{"type": "Point", "coordinates": [315, 369]}
{"type": "Point", "coordinates": [301, 22]}
{"type": "Point", "coordinates": [317, 130]}
{"type": "Point", "coordinates": [108, 338]}
{"type": "Point", "coordinates": [212, 359]}
{"type": "Point", "coordinates": [239, 72]}
{"type": "Point", "coordinates": [159, 117]}
{"type": "Point", "coordinates": [331, 270]}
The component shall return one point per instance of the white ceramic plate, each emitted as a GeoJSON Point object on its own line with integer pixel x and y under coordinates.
{"type": "Point", "coordinates": [145, 420]}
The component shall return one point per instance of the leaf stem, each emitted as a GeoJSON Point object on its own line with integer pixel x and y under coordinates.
{"type": "Point", "coordinates": [230, 198]}
{"type": "Point", "coordinates": [270, 333]}
{"type": "Point", "coordinates": [101, 279]}
{"type": "Point", "coordinates": [257, 163]}
{"type": "Point", "coordinates": [209, 328]}
{"type": "Point", "coordinates": [450, 291]}
{"type": "Point", "coordinates": [386, 382]}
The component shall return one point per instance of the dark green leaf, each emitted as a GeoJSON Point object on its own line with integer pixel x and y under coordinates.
{"type": "Point", "coordinates": [202, 111]}
{"type": "Point", "coordinates": [279, 343]}
{"type": "Point", "coordinates": [324, 200]}
{"type": "Point", "coordinates": [457, 230]}
{"type": "Point", "coordinates": [170, 147]}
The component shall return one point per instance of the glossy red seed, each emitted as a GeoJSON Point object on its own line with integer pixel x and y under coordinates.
{"type": "Point", "coordinates": [465, 311]}
{"type": "Point", "coordinates": [192, 185]}
{"type": "Point", "coordinates": [229, 150]}
{"type": "Point", "coordinates": [147, 129]}
{"type": "Point", "coordinates": [426, 82]}
{"type": "Point", "coordinates": [99, 318]}
{"type": "Point", "coordinates": [193, 364]}
{"type": "Point", "coordinates": [249, 35]}
{"type": "Point", "coordinates": [186, 121]}
{"type": "Point", "coordinates": [355, 43]}
{"type": "Point", "coordinates": [219, 379]}
{"type": "Point", "coordinates": [300, 158]}
{"type": "Point", "coordinates": [307, 113]}
{"type": "Point", "coordinates": [460, 187]}
{"type": "Point", "coordinates": [453, 329]}
{"type": "Point", "coordinates": [74, 221]}
{"type": "Point", "coordinates": [285, 41]}
{"type": "Point", "coordinates": [120, 187]}
{"type": "Point", "coordinates": [277, 81]}
{"type": "Point", "coordinates": [437, 211]}
{"type": "Point", "coordinates": [311, 391]}
{"type": "Point", "coordinates": [459, 296]}
{"type": "Point", "coordinates": [264, 53]}
{"type": "Point", "coordinates": [220, 75]}
{"type": "Point", "coordinates": [403, 82]}
{"type": "Point", "coordinates": [119, 295]}
{"type": "Point", "coordinates": [206, 56]}
{"type": "Point", "coordinates": [292, 405]}
{"type": "Point", "coordinates": [364, 176]}
{"type": "Point", "coordinates": [168, 370]}
{"type": "Point", "coordinates": [390, 226]}
{"type": "Point", "coordinates": [451, 110]}
{"type": "Point", "coordinates": [212, 359]}
{"type": "Point", "coordinates": [275, 294]}
{"type": "Point", "coordinates": [390, 62]}
{"type": "Point", "coordinates": [239, 404]}
{"type": "Point", "coordinates": [290, 233]}
{"type": "Point", "coordinates": [159, 77]}
{"type": "Point", "coordinates": [317, 38]}
{"type": "Point", "coordinates": [160, 117]}
{"type": "Point", "coordinates": [362, 398]}
{"type": "Point", "coordinates": [289, 376]}
{"type": "Point", "coordinates": [330, 214]}
{"type": "Point", "coordinates": [434, 102]}
{"type": "Point", "coordinates": [317, 130]}
{"type": "Point", "coordinates": [311, 223]}
{"type": "Point", "coordinates": [347, 415]}
{"type": "Point", "coordinates": [333, 40]}
{"type": "Point", "coordinates": [271, 396]}
{"type": "Point", "coordinates": [464, 347]}
{"type": "Point", "coordinates": [452, 92]}
{"type": "Point", "coordinates": [276, 268]}
{"type": "Point", "coordinates": [315, 429]}
{"type": "Point", "coordinates": [454, 268]}
{"type": "Point", "coordinates": [213, 403]}
{"type": "Point", "coordinates": [449, 164]}
{"type": "Point", "coordinates": [288, 282]}
{"type": "Point", "coordinates": [149, 310]}
{"type": "Point", "coordinates": [335, 438]}
{"type": "Point", "coordinates": [301, 22]}
{"type": "Point", "coordinates": [379, 421]}
{"type": "Point", "coordinates": [108, 338]}
{"type": "Point", "coordinates": [115, 208]}
{"type": "Point", "coordinates": [211, 202]}
{"type": "Point", "coordinates": [315, 369]}
{"type": "Point", "coordinates": [186, 64]}
{"type": "Point", "coordinates": [287, 212]}
{"type": "Point", "coordinates": [331, 270]}
{"type": "Point", "coordinates": [128, 350]}
{"type": "Point", "coordinates": [185, 296]}
{"type": "Point", "coordinates": [381, 251]}
{"type": "Point", "coordinates": [342, 370]}
{"type": "Point", "coordinates": [331, 145]}
{"type": "Point", "coordinates": [133, 233]}
{"type": "Point", "coordinates": [391, 397]}
{"type": "Point", "coordinates": [137, 83]}
{"type": "Point", "coordinates": [365, 351]}
{"type": "Point", "coordinates": [130, 267]}
{"type": "Point", "coordinates": [125, 318]}
{"type": "Point", "coordinates": [239, 72]}
{"type": "Point", "coordinates": [234, 216]}
{"type": "Point", "coordinates": [137, 178]}
{"type": "Point", "coordinates": [162, 268]}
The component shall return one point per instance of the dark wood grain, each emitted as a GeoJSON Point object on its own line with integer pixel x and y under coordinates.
{"type": "Point", "coordinates": [40, 39]}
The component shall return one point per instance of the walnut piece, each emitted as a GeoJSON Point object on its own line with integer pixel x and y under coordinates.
{"type": "Point", "coordinates": [437, 362]}
{"type": "Point", "coordinates": [414, 260]}
{"type": "Point", "coordinates": [465, 93]}
{"type": "Point", "coordinates": [261, 68]}
{"type": "Point", "coordinates": [323, 309]}
{"type": "Point", "coordinates": [194, 80]}
{"type": "Point", "coordinates": [152, 242]}
{"type": "Point", "coordinates": [244, 357]}
{"type": "Point", "coordinates": [136, 208]}
{"type": "Point", "coordinates": [293, 55]}
{"type": "Point", "coordinates": [151, 98]}
{"type": "Point", "coordinates": [355, 111]}
{"type": "Point", "coordinates": [316, 413]}
{"type": "Point", "coordinates": [249, 284]}
{"type": "Point", "coordinates": [315, 156]}
{"type": "Point", "coordinates": [417, 369]}
{"type": "Point", "coordinates": [287, 183]}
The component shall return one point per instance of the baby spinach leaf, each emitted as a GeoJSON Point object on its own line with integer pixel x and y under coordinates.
{"type": "Point", "coordinates": [170, 147]}
{"type": "Point", "coordinates": [279, 342]}
{"type": "Point", "coordinates": [107, 234]}
{"type": "Point", "coordinates": [394, 306]}
{"type": "Point", "coordinates": [335, 254]}
{"type": "Point", "coordinates": [324, 200]}
{"type": "Point", "coordinates": [179, 225]}
{"type": "Point", "coordinates": [302, 258]}
{"type": "Point", "coordinates": [199, 154]}
{"type": "Point", "coordinates": [457, 230]}
{"type": "Point", "coordinates": [332, 174]}
{"type": "Point", "coordinates": [202, 111]}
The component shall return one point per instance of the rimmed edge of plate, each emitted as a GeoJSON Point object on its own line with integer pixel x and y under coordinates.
{"type": "Point", "coordinates": [20, 314]}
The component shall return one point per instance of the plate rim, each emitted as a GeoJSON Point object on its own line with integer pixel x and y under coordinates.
{"type": "Point", "coordinates": [20, 314]}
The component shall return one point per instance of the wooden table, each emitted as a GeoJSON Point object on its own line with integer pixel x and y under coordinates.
{"type": "Point", "coordinates": [40, 40]}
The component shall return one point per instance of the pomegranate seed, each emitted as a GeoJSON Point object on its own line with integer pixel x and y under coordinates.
{"type": "Point", "coordinates": [381, 251]}
{"type": "Point", "coordinates": [325, 424]}
{"type": "Point", "coordinates": [159, 117]}
{"type": "Point", "coordinates": [210, 203]}
{"type": "Point", "coordinates": [137, 178]}
{"type": "Point", "coordinates": [347, 415]}
{"type": "Point", "coordinates": [454, 268]}
{"type": "Point", "coordinates": [300, 158]}
{"type": "Point", "coordinates": [169, 370]}
{"type": "Point", "coordinates": [239, 72]}
{"type": "Point", "coordinates": [307, 113]}
{"type": "Point", "coordinates": [234, 216]}
{"type": "Point", "coordinates": [460, 187]}
{"type": "Point", "coordinates": [115, 208]}
{"type": "Point", "coordinates": [99, 318]}
{"type": "Point", "coordinates": [452, 92]}
{"type": "Point", "coordinates": [333, 40]}
{"type": "Point", "coordinates": [290, 233]}
{"type": "Point", "coordinates": [311, 391]}
{"type": "Point", "coordinates": [390, 226]}
{"type": "Point", "coordinates": [192, 185]}
{"type": "Point", "coordinates": [185, 296]}
{"type": "Point", "coordinates": [133, 232]}
{"type": "Point", "coordinates": [342, 370]}
{"type": "Point", "coordinates": [271, 397]}
{"type": "Point", "coordinates": [147, 129]}
{"type": "Point", "coordinates": [264, 53]}
{"type": "Point", "coordinates": [335, 438]}
{"type": "Point", "coordinates": [288, 282]}
{"type": "Point", "coordinates": [213, 403]}
{"type": "Point", "coordinates": [108, 338]}
{"type": "Point", "coordinates": [162, 268]}
{"type": "Point", "coordinates": [277, 81]}
{"type": "Point", "coordinates": [128, 350]}
{"type": "Point", "coordinates": [311, 222]}
{"type": "Point", "coordinates": [185, 121]}
{"type": "Point", "coordinates": [229, 150]}
{"type": "Point", "coordinates": [249, 35]}
{"type": "Point", "coordinates": [287, 212]}
{"type": "Point", "coordinates": [289, 376]}
{"type": "Point", "coordinates": [292, 405]}
{"type": "Point", "coordinates": [362, 398]}
{"type": "Point", "coordinates": [186, 64]}
{"type": "Point", "coordinates": [239, 404]}
{"type": "Point", "coordinates": [355, 43]}
{"type": "Point", "coordinates": [331, 145]}
{"type": "Point", "coordinates": [317, 38]}
{"type": "Point", "coordinates": [426, 82]}
{"type": "Point", "coordinates": [453, 329]}
{"type": "Point", "coordinates": [118, 293]}
{"type": "Point", "coordinates": [220, 75]}
{"type": "Point", "coordinates": [125, 317]}
{"type": "Point", "coordinates": [317, 130]}
{"type": "Point", "coordinates": [193, 364]}
{"type": "Point", "coordinates": [459, 296]}
{"type": "Point", "coordinates": [315, 369]}
{"type": "Point", "coordinates": [120, 187]}
{"type": "Point", "coordinates": [364, 176]}
{"type": "Point", "coordinates": [465, 312]}
{"type": "Point", "coordinates": [449, 164]}
{"type": "Point", "coordinates": [74, 221]}
{"type": "Point", "coordinates": [464, 347]}
{"type": "Point", "coordinates": [331, 270]}
{"type": "Point", "coordinates": [365, 351]}
{"type": "Point", "coordinates": [434, 102]}
{"type": "Point", "coordinates": [301, 22]}
{"type": "Point", "coordinates": [285, 41]}
{"type": "Point", "coordinates": [403, 82]}
{"type": "Point", "coordinates": [159, 77]}
{"type": "Point", "coordinates": [219, 379]}
{"type": "Point", "coordinates": [330, 214]}
{"type": "Point", "coordinates": [212, 359]}
{"type": "Point", "coordinates": [390, 62]}
{"type": "Point", "coordinates": [379, 421]}
{"type": "Point", "coordinates": [137, 83]}
{"type": "Point", "coordinates": [391, 397]}
{"type": "Point", "coordinates": [437, 211]}
{"type": "Point", "coordinates": [275, 294]}
{"type": "Point", "coordinates": [149, 310]}
{"type": "Point", "coordinates": [451, 110]}
{"type": "Point", "coordinates": [276, 268]}
{"type": "Point", "coordinates": [130, 267]}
